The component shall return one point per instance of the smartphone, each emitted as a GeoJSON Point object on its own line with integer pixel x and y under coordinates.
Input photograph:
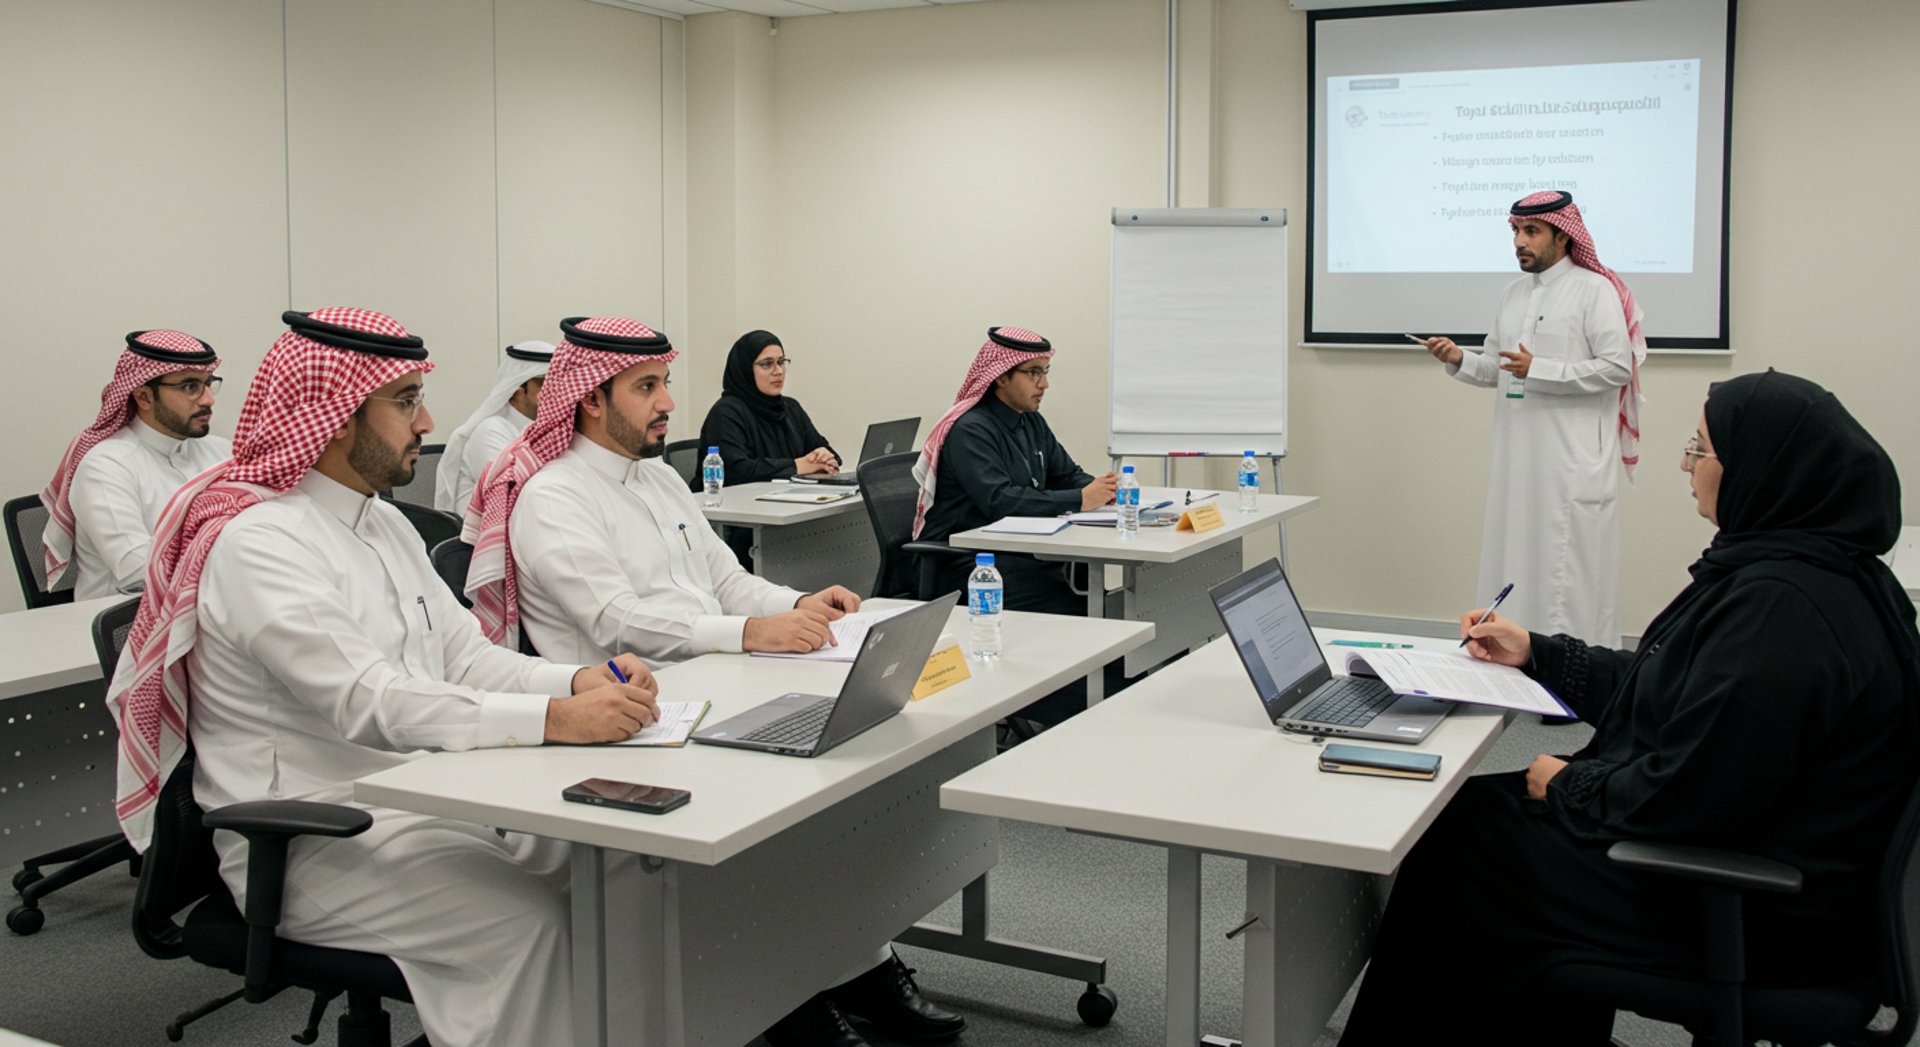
{"type": "Point", "coordinates": [628, 796]}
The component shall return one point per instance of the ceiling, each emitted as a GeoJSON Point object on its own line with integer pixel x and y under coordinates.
{"type": "Point", "coordinates": [769, 8]}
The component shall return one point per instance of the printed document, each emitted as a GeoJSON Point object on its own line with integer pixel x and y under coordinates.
{"type": "Point", "coordinates": [677, 721]}
{"type": "Point", "coordinates": [1456, 676]}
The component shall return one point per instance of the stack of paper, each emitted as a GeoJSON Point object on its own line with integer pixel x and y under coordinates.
{"type": "Point", "coordinates": [1027, 525]}
{"type": "Point", "coordinates": [811, 495]}
{"type": "Point", "coordinates": [1456, 676]}
{"type": "Point", "coordinates": [677, 721]}
{"type": "Point", "coordinates": [849, 634]}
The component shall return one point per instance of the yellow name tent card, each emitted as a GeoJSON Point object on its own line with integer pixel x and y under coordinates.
{"type": "Point", "coordinates": [944, 669]}
{"type": "Point", "coordinates": [1201, 518]}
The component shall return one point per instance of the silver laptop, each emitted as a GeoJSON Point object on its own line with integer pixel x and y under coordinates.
{"type": "Point", "coordinates": [883, 438]}
{"type": "Point", "coordinates": [1292, 678]}
{"type": "Point", "coordinates": [878, 686]}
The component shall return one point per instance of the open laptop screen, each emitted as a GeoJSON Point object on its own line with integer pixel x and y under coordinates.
{"type": "Point", "coordinates": [1271, 635]}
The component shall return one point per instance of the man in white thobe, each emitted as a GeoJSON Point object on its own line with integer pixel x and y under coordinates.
{"type": "Point", "coordinates": [150, 438]}
{"type": "Point", "coordinates": [1564, 358]}
{"type": "Point", "coordinates": [505, 413]}
{"type": "Point", "coordinates": [321, 647]}
{"type": "Point", "coordinates": [604, 549]}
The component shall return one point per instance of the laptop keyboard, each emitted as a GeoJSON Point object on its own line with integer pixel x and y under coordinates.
{"type": "Point", "coordinates": [1349, 701]}
{"type": "Point", "coordinates": [802, 726]}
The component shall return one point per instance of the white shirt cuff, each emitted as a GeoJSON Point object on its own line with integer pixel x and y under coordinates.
{"type": "Point", "coordinates": [513, 719]}
{"type": "Point", "coordinates": [781, 600]}
{"type": "Point", "coordinates": [718, 632]}
{"type": "Point", "coordinates": [553, 678]}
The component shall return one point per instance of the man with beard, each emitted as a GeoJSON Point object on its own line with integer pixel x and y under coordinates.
{"type": "Point", "coordinates": [585, 536]}
{"type": "Point", "coordinates": [149, 438]}
{"type": "Point", "coordinates": [1565, 351]}
{"type": "Point", "coordinates": [294, 632]}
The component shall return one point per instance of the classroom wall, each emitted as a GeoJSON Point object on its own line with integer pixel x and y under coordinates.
{"type": "Point", "coordinates": [478, 170]}
{"type": "Point", "coordinates": [940, 169]}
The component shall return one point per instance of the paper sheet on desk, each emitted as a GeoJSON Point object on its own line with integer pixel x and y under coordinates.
{"type": "Point", "coordinates": [809, 496]}
{"type": "Point", "coordinates": [1456, 676]}
{"type": "Point", "coordinates": [677, 721]}
{"type": "Point", "coordinates": [849, 634]}
{"type": "Point", "coordinates": [1027, 525]}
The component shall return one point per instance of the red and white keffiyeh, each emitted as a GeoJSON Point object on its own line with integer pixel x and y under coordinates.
{"type": "Point", "coordinates": [1566, 218]}
{"type": "Point", "coordinates": [593, 350]}
{"type": "Point", "coordinates": [1004, 349]}
{"type": "Point", "coordinates": [300, 396]}
{"type": "Point", "coordinates": [172, 351]}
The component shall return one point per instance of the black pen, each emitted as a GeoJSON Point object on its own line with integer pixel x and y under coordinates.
{"type": "Point", "coordinates": [684, 538]}
{"type": "Point", "coordinates": [1489, 614]}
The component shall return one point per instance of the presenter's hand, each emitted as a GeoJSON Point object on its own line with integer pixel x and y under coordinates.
{"type": "Point", "coordinates": [1540, 772]}
{"type": "Point", "coordinates": [637, 674]}
{"type": "Point", "coordinates": [1517, 364]}
{"type": "Point", "coordinates": [1099, 492]}
{"type": "Point", "coordinates": [835, 601]}
{"type": "Point", "coordinates": [794, 632]}
{"type": "Point", "coordinates": [1444, 350]}
{"type": "Point", "coordinates": [611, 712]}
{"type": "Point", "coordinates": [1497, 639]}
{"type": "Point", "coordinates": [818, 460]}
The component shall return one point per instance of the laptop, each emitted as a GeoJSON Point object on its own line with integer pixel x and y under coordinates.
{"type": "Point", "coordinates": [878, 686]}
{"type": "Point", "coordinates": [1291, 677]}
{"type": "Point", "coordinates": [883, 438]}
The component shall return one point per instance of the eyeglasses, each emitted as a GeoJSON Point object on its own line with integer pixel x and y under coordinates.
{"type": "Point", "coordinates": [768, 365]}
{"type": "Point", "coordinates": [1035, 373]}
{"type": "Point", "coordinates": [1692, 451]}
{"type": "Point", "coordinates": [410, 404]}
{"type": "Point", "coordinates": [191, 388]}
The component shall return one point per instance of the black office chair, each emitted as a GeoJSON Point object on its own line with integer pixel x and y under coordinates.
{"type": "Point", "coordinates": [26, 521]}
{"type": "Point", "coordinates": [1737, 1013]}
{"type": "Point", "coordinates": [182, 869]}
{"type": "Point", "coordinates": [907, 568]}
{"type": "Point", "coordinates": [434, 526]}
{"type": "Point", "coordinates": [419, 490]}
{"type": "Point", "coordinates": [81, 860]}
{"type": "Point", "coordinates": [684, 456]}
{"type": "Point", "coordinates": [451, 559]}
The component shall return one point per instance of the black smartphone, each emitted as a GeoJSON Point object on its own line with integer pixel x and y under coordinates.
{"type": "Point", "coordinates": [628, 796]}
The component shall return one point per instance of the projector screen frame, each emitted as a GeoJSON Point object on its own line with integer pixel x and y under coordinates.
{"type": "Point", "coordinates": [1703, 346]}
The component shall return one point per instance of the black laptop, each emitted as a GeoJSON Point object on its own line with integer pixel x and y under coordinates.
{"type": "Point", "coordinates": [883, 438]}
{"type": "Point", "coordinates": [878, 686]}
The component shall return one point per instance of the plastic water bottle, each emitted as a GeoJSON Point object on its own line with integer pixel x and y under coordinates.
{"type": "Point", "coordinates": [985, 594]}
{"type": "Point", "coordinates": [1249, 482]}
{"type": "Point", "coordinates": [714, 471]}
{"type": "Point", "coordinates": [1127, 499]}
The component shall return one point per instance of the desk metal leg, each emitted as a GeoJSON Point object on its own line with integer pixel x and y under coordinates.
{"type": "Point", "coordinates": [1183, 947]}
{"type": "Point", "coordinates": [1313, 933]}
{"type": "Point", "coordinates": [1096, 608]}
{"type": "Point", "coordinates": [974, 940]}
{"type": "Point", "coordinates": [589, 946]}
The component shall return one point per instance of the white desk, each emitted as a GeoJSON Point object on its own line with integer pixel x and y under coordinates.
{"type": "Point", "coordinates": [781, 873]}
{"type": "Point", "coordinates": [1186, 759]}
{"type": "Point", "coordinates": [806, 547]}
{"type": "Point", "coordinates": [57, 749]}
{"type": "Point", "coordinates": [1166, 572]}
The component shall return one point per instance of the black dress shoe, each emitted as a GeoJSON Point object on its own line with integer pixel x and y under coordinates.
{"type": "Point", "coordinates": [815, 1023]}
{"type": "Point", "coordinates": [887, 999]}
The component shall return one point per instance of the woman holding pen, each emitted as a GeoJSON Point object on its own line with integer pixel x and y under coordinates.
{"type": "Point", "coordinates": [1772, 708]}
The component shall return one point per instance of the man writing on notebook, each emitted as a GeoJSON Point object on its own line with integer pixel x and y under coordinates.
{"type": "Point", "coordinates": [586, 537]}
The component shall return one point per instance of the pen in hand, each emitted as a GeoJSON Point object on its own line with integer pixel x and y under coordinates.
{"type": "Point", "coordinates": [1496, 602]}
{"type": "Point", "coordinates": [617, 674]}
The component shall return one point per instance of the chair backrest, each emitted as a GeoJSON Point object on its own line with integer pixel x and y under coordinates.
{"type": "Point", "coordinates": [434, 526]}
{"type": "Point", "coordinates": [179, 868]}
{"type": "Point", "coordinates": [684, 456]}
{"type": "Point", "coordinates": [888, 490]}
{"type": "Point", "coordinates": [450, 561]}
{"type": "Point", "coordinates": [1900, 923]}
{"type": "Point", "coordinates": [26, 521]}
{"type": "Point", "coordinates": [419, 490]}
{"type": "Point", "coordinates": [110, 629]}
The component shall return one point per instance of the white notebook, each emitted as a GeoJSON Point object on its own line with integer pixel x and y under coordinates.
{"type": "Point", "coordinates": [849, 634]}
{"type": "Point", "coordinates": [677, 721]}
{"type": "Point", "coordinates": [1027, 525]}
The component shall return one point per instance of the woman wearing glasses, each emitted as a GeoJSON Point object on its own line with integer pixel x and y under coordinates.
{"type": "Point", "coordinates": [1773, 708]}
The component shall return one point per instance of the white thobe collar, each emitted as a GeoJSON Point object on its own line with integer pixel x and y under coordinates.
{"type": "Point", "coordinates": [611, 464]}
{"type": "Point", "coordinates": [341, 502]}
{"type": "Point", "coordinates": [170, 448]}
{"type": "Point", "coordinates": [516, 419]}
{"type": "Point", "coordinates": [1555, 272]}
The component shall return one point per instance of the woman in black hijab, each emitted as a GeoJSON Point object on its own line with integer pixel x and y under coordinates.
{"type": "Point", "coordinates": [762, 434]}
{"type": "Point", "coordinates": [1772, 708]}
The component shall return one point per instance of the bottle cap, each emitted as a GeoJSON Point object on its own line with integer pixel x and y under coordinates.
{"type": "Point", "coordinates": [713, 450]}
{"type": "Point", "coordinates": [1249, 454]}
{"type": "Point", "coordinates": [983, 559]}
{"type": "Point", "coordinates": [1126, 468]}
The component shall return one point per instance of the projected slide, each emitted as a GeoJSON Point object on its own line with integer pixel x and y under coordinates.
{"type": "Point", "coordinates": [1419, 164]}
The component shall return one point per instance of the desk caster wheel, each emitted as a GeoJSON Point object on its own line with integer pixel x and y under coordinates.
{"type": "Point", "coordinates": [1097, 1005]}
{"type": "Point", "coordinates": [22, 920]}
{"type": "Point", "coordinates": [26, 878]}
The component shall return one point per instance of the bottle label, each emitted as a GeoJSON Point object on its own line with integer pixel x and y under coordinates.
{"type": "Point", "coordinates": [984, 601]}
{"type": "Point", "coordinates": [1128, 496]}
{"type": "Point", "coordinates": [712, 475]}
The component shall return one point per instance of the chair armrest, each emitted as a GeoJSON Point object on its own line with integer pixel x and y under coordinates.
{"type": "Point", "coordinates": [289, 818]}
{"type": "Point", "coordinates": [934, 549]}
{"type": "Point", "coordinates": [1708, 865]}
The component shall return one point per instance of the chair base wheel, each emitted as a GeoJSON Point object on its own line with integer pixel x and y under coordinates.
{"type": "Point", "coordinates": [26, 878]}
{"type": "Point", "coordinates": [23, 921]}
{"type": "Point", "coordinates": [1097, 1005]}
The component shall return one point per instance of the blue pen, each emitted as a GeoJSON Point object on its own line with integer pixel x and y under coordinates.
{"type": "Point", "coordinates": [617, 674]}
{"type": "Point", "coordinates": [1496, 602]}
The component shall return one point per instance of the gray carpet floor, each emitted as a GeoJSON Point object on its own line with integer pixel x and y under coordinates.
{"type": "Point", "coordinates": [82, 982]}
